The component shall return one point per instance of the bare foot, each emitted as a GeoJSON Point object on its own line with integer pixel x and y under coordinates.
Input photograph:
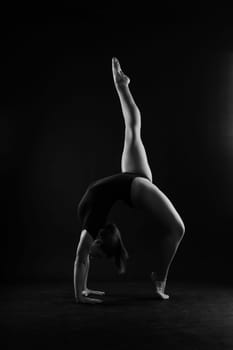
{"type": "Point", "coordinates": [120, 79]}
{"type": "Point", "coordinates": [159, 288]}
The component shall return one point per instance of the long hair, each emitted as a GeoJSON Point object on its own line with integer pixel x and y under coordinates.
{"type": "Point", "coordinates": [113, 246]}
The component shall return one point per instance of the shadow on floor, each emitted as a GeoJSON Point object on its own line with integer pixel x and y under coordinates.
{"type": "Point", "coordinates": [196, 316]}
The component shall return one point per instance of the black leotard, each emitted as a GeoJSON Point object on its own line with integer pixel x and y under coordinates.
{"type": "Point", "coordinates": [100, 196]}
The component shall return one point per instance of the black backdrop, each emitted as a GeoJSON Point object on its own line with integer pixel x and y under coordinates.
{"type": "Point", "coordinates": [61, 127]}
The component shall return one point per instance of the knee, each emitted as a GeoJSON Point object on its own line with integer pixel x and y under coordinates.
{"type": "Point", "coordinates": [178, 229]}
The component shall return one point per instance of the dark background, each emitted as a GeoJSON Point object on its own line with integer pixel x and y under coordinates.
{"type": "Point", "coordinates": [61, 128]}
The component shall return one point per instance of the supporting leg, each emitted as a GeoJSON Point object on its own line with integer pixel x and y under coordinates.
{"type": "Point", "coordinates": [148, 197]}
{"type": "Point", "coordinates": [134, 158]}
{"type": "Point", "coordinates": [164, 255]}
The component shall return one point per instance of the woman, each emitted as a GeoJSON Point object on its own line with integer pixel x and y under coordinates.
{"type": "Point", "coordinates": [133, 186]}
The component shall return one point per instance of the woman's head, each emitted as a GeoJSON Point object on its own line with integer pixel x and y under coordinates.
{"type": "Point", "coordinates": [109, 243]}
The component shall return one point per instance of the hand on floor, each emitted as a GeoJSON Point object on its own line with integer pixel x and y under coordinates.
{"type": "Point", "coordinates": [87, 292]}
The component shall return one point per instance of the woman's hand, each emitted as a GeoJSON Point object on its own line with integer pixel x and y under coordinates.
{"type": "Point", "coordinates": [86, 292]}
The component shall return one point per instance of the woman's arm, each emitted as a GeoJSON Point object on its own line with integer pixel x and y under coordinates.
{"type": "Point", "coordinates": [81, 267]}
{"type": "Point", "coordinates": [86, 291]}
{"type": "Point", "coordinates": [79, 277]}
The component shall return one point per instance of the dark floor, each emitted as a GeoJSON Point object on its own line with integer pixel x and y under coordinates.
{"type": "Point", "coordinates": [197, 316]}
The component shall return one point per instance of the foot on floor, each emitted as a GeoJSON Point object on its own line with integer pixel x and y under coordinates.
{"type": "Point", "coordinates": [159, 288]}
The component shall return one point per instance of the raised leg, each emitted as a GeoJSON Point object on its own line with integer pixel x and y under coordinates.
{"type": "Point", "coordinates": [145, 195]}
{"type": "Point", "coordinates": [134, 158]}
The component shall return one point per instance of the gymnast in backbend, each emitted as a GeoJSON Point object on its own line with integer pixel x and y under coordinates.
{"type": "Point", "coordinates": [134, 186]}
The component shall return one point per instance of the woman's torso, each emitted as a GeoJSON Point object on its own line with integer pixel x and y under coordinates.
{"type": "Point", "coordinates": [101, 195]}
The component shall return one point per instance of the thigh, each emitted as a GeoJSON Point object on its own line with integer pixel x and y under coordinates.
{"type": "Point", "coordinates": [134, 158]}
{"type": "Point", "coordinates": [146, 196]}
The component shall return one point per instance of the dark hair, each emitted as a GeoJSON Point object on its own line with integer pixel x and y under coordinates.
{"type": "Point", "coordinates": [113, 246]}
